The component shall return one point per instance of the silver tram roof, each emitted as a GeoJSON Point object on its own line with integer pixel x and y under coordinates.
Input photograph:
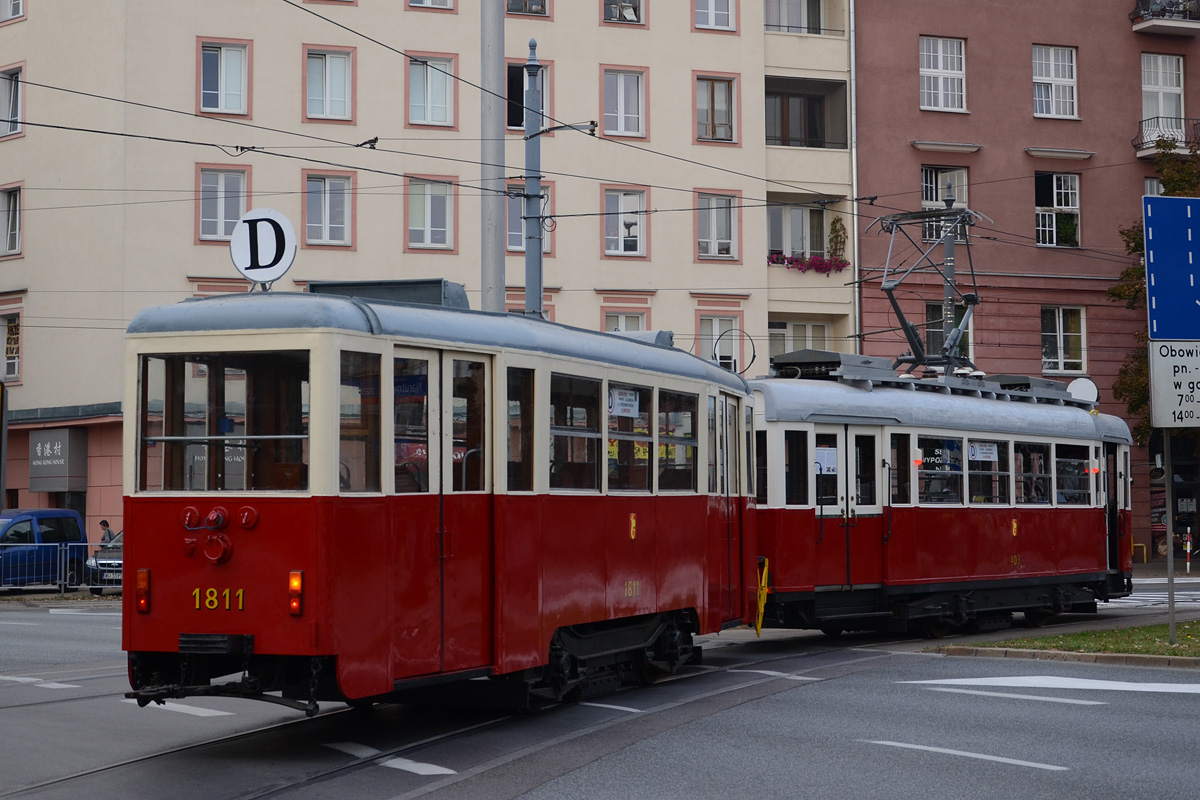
{"type": "Point", "coordinates": [838, 388]}
{"type": "Point", "coordinates": [258, 311]}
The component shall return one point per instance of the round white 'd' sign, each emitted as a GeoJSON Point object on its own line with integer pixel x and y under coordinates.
{"type": "Point", "coordinates": [263, 245]}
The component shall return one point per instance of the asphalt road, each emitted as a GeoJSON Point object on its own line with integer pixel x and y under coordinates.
{"type": "Point", "coordinates": [788, 715]}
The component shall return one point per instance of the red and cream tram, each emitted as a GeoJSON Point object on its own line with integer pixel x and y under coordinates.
{"type": "Point", "coordinates": [892, 502]}
{"type": "Point", "coordinates": [335, 498]}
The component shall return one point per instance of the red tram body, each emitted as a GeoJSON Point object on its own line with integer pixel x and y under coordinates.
{"type": "Point", "coordinates": [296, 527]}
{"type": "Point", "coordinates": [892, 502]}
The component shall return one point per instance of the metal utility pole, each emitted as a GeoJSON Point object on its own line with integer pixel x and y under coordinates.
{"type": "Point", "coordinates": [492, 116]}
{"type": "Point", "coordinates": [533, 185]}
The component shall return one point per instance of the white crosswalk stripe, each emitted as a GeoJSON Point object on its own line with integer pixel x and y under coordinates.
{"type": "Point", "coordinates": [1144, 599]}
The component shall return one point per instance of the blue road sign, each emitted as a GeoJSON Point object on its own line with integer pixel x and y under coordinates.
{"type": "Point", "coordinates": [1173, 266]}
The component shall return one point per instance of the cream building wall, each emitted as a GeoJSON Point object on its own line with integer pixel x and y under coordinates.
{"type": "Point", "coordinates": [109, 220]}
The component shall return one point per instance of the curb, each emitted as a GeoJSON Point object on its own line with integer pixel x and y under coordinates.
{"type": "Point", "coordinates": [1121, 659]}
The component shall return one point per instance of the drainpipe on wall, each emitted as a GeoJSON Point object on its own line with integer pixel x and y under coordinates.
{"type": "Point", "coordinates": [857, 313]}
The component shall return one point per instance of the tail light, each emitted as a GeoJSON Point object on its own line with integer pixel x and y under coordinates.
{"type": "Point", "coordinates": [296, 593]}
{"type": "Point", "coordinates": [142, 591]}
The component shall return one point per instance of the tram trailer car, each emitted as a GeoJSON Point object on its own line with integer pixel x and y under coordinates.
{"type": "Point", "coordinates": [338, 499]}
{"type": "Point", "coordinates": [892, 502]}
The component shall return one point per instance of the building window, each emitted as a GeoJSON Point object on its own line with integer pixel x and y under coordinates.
{"type": "Point", "coordinates": [1153, 187]}
{"type": "Point", "coordinates": [224, 74]}
{"type": "Point", "coordinates": [1062, 339]}
{"type": "Point", "coordinates": [10, 101]}
{"type": "Point", "coordinates": [794, 16]}
{"type": "Point", "coordinates": [714, 109]}
{"type": "Point", "coordinates": [430, 93]}
{"type": "Point", "coordinates": [429, 214]}
{"type": "Point", "coordinates": [12, 347]}
{"type": "Point", "coordinates": [795, 231]}
{"type": "Point", "coordinates": [527, 7]}
{"type": "Point", "coordinates": [329, 86]}
{"type": "Point", "coordinates": [514, 205]}
{"type": "Point", "coordinates": [715, 14]}
{"type": "Point", "coordinates": [943, 74]}
{"type": "Point", "coordinates": [1053, 81]}
{"type": "Point", "coordinates": [1162, 98]}
{"type": "Point", "coordinates": [621, 321]}
{"type": "Point", "coordinates": [327, 210]}
{"type": "Point", "coordinates": [222, 202]}
{"type": "Point", "coordinates": [11, 9]}
{"type": "Point", "coordinates": [934, 183]}
{"type": "Point", "coordinates": [623, 11]}
{"type": "Point", "coordinates": [717, 339]}
{"type": "Point", "coordinates": [935, 330]}
{"type": "Point", "coordinates": [1057, 201]}
{"type": "Point", "coordinates": [624, 223]}
{"type": "Point", "coordinates": [624, 103]}
{"type": "Point", "coordinates": [431, 3]}
{"type": "Point", "coordinates": [716, 226]}
{"type": "Point", "coordinates": [787, 337]}
{"type": "Point", "coordinates": [795, 120]}
{"type": "Point", "coordinates": [518, 84]}
{"type": "Point", "coordinates": [10, 209]}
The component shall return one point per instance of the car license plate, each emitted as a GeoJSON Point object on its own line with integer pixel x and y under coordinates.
{"type": "Point", "coordinates": [111, 576]}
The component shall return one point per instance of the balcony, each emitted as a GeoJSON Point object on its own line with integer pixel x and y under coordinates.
{"type": "Point", "coordinates": [1178, 129]}
{"type": "Point", "coordinates": [1169, 17]}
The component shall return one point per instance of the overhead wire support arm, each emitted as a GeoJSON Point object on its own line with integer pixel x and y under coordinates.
{"type": "Point", "coordinates": [588, 127]}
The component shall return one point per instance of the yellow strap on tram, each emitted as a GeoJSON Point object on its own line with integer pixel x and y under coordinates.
{"type": "Point", "coordinates": [762, 596]}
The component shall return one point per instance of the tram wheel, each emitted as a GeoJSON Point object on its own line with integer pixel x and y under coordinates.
{"type": "Point", "coordinates": [832, 631]}
{"type": "Point", "coordinates": [935, 628]}
{"type": "Point", "coordinates": [1037, 618]}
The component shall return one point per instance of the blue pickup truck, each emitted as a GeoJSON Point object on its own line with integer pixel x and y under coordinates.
{"type": "Point", "coordinates": [41, 546]}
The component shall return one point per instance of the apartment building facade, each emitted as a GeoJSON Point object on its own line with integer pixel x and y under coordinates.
{"type": "Point", "coordinates": [1046, 125]}
{"type": "Point", "coordinates": [711, 201]}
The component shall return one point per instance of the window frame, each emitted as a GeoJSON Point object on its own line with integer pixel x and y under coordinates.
{"type": "Point", "coordinates": [13, 243]}
{"type": "Point", "coordinates": [781, 229]}
{"type": "Point", "coordinates": [547, 11]}
{"type": "Point", "coordinates": [643, 84]}
{"type": "Point", "coordinates": [12, 359]}
{"type": "Point", "coordinates": [1064, 186]}
{"type": "Point", "coordinates": [12, 95]}
{"type": "Point", "coordinates": [943, 76]}
{"type": "Point", "coordinates": [427, 182]}
{"type": "Point", "coordinates": [1060, 91]}
{"type": "Point", "coordinates": [220, 170]}
{"type": "Point", "coordinates": [246, 46]}
{"type": "Point", "coordinates": [444, 64]}
{"type": "Point", "coordinates": [547, 90]}
{"type": "Point", "coordinates": [1059, 362]}
{"type": "Point", "coordinates": [325, 53]}
{"type": "Point", "coordinates": [641, 6]}
{"type": "Point", "coordinates": [710, 12]}
{"type": "Point", "coordinates": [733, 81]}
{"type": "Point", "coordinates": [735, 224]}
{"type": "Point", "coordinates": [787, 336]}
{"type": "Point", "coordinates": [707, 342]}
{"type": "Point", "coordinates": [932, 187]}
{"type": "Point", "coordinates": [432, 5]}
{"type": "Point", "coordinates": [548, 207]}
{"type": "Point", "coordinates": [350, 190]}
{"type": "Point", "coordinates": [7, 15]}
{"type": "Point", "coordinates": [1161, 89]}
{"type": "Point", "coordinates": [966, 345]}
{"type": "Point", "coordinates": [621, 193]}
{"type": "Point", "coordinates": [784, 24]}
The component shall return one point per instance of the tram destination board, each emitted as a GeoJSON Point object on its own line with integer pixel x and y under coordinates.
{"type": "Point", "coordinates": [1175, 384]}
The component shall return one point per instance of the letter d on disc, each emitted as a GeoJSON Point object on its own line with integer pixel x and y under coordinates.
{"type": "Point", "coordinates": [263, 246]}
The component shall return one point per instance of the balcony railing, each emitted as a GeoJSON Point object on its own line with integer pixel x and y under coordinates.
{"type": "Point", "coordinates": [1172, 17]}
{"type": "Point", "coordinates": [1178, 129]}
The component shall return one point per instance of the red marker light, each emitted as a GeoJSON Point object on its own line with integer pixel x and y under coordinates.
{"type": "Point", "coordinates": [142, 591]}
{"type": "Point", "coordinates": [296, 593]}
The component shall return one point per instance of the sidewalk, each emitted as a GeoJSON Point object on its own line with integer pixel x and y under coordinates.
{"type": "Point", "coordinates": [1157, 568]}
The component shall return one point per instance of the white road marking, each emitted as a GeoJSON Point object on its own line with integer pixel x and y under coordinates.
{"type": "Point", "coordinates": [614, 708]}
{"type": "Point", "coordinates": [83, 612]}
{"type": "Point", "coordinates": [408, 765]}
{"type": "Point", "coordinates": [416, 767]}
{"type": "Point", "coordinates": [965, 754]}
{"type": "Point", "coordinates": [50, 685]}
{"type": "Point", "coordinates": [20, 623]}
{"type": "Point", "coordinates": [182, 709]}
{"type": "Point", "coordinates": [1052, 682]}
{"type": "Point", "coordinates": [1020, 696]}
{"type": "Point", "coordinates": [774, 674]}
{"type": "Point", "coordinates": [41, 683]}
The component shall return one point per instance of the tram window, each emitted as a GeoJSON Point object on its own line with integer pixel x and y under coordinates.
{"type": "Point", "coordinates": [987, 471]}
{"type": "Point", "coordinates": [470, 422]}
{"type": "Point", "coordinates": [751, 459]}
{"type": "Point", "coordinates": [826, 466]}
{"type": "Point", "coordinates": [864, 470]}
{"type": "Point", "coordinates": [629, 439]}
{"type": "Point", "coordinates": [575, 432]}
{"type": "Point", "coordinates": [1031, 463]}
{"type": "Point", "coordinates": [410, 398]}
{"type": "Point", "coordinates": [712, 445]}
{"type": "Point", "coordinates": [760, 465]}
{"type": "Point", "coordinates": [1071, 474]}
{"type": "Point", "coordinates": [901, 471]}
{"type": "Point", "coordinates": [677, 441]}
{"type": "Point", "coordinates": [796, 460]}
{"type": "Point", "coordinates": [224, 422]}
{"type": "Point", "coordinates": [939, 476]}
{"type": "Point", "coordinates": [359, 445]}
{"type": "Point", "coordinates": [520, 430]}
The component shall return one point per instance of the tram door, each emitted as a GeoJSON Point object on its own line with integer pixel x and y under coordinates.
{"type": "Point", "coordinates": [1113, 503]}
{"type": "Point", "coordinates": [443, 445]}
{"type": "Point", "coordinates": [850, 524]}
{"type": "Point", "coordinates": [725, 475]}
